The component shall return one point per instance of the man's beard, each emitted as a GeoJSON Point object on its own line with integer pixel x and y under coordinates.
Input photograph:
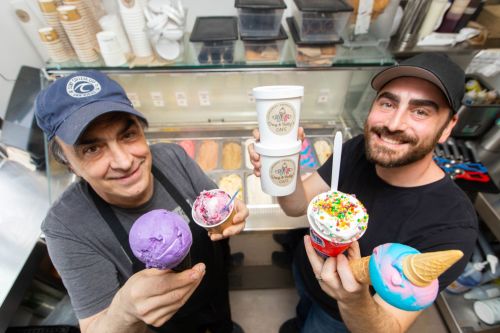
{"type": "Point", "coordinates": [389, 158]}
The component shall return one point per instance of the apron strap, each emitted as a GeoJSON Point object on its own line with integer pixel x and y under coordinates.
{"type": "Point", "coordinates": [116, 227]}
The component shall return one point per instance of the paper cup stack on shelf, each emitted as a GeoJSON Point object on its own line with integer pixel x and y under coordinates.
{"type": "Point", "coordinates": [30, 24]}
{"type": "Point", "coordinates": [165, 23]}
{"type": "Point", "coordinates": [77, 32]}
{"type": "Point", "coordinates": [111, 51]}
{"type": "Point", "coordinates": [51, 16]}
{"type": "Point", "coordinates": [58, 52]}
{"type": "Point", "coordinates": [278, 112]}
{"type": "Point", "coordinates": [112, 23]}
{"type": "Point", "coordinates": [87, 14]}
{"type": "Point", "coordinates": [134, 22]}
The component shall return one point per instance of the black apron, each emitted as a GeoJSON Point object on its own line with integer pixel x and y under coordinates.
{"type": "Point", "coordinates": [208, 306]}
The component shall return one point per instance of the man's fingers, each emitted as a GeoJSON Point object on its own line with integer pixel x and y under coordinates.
{"type": "Point", "coordinates": [301, 135]}
{"type": "Point", "coordinates": [315, 260]}
{"type": "Point", "coordinates": [344, 270]}
{"type": "Point", "coordinates": [160, 284]}
{"type": "Point", "coordinates": [158, 309]}
{"type": "Point", "coordinates": [256, 134]}
{"type": "Point", "coordinates": [241, 212]}
{"type": "Point", "coordinates": [354, 251]}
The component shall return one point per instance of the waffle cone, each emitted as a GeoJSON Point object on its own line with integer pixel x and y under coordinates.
{"type": "Point", "coordinates": [423, 268]}
{"type": "Point", "coordinates": [360, 269]}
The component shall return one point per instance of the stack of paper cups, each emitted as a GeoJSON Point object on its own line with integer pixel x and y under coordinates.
{"type": "Point", "coordinates": [135, 25]}
{"type": "Point", "coordinates": [30, 24]}
{"type": "Point", "coordinates": [87, 15]}
{"type": "Point", "coordinates": [111, 50]}
{"type": "Point", "coordinates": [49, 12]}
{"type": "Point", "coordinates": [77, 32]}
{"type": "Point", "coordinates": [58, 52]}
{"type": "Point", "coordinates": [112, 23]}
{"type": "Point", "coordinates": [278, 112]}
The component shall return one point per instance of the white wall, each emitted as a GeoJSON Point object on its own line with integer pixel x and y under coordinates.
{"type": "Point", "coordinates": [16, 50]}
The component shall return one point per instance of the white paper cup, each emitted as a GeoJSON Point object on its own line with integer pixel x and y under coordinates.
{"type": "Point", "coordinates": [280, 167]}
{"type": "Point", "coordinates": [278, 113]}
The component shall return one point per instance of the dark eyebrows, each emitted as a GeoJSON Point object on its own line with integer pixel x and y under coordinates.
{"type": "Point", "coordinates": [413, 102]}
{"type": "Point", "coordinates": [388, 95]}
{"type": "Point", "coordinates": [130, 122]}
{"type": "Point", "coordinates": [424, 102]}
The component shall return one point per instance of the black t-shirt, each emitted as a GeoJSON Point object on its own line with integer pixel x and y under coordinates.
{"type": "Point", "coordinates": [432, 217]}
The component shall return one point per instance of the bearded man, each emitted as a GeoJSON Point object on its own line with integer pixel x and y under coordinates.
{"type": "Point", "coordinates": [409, 199]}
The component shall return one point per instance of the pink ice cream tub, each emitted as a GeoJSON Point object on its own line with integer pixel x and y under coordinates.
{"type": "Point", "coordinates": [208, 210]}
{"type": "Point", "coordinates": [336, 220]}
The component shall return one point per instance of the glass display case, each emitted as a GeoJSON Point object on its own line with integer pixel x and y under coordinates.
{"type": "Point", "coordinates": [207, 109]}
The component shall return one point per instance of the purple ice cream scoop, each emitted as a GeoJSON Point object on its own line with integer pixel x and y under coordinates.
{"type": "Point", "coordinates": [160, 239]}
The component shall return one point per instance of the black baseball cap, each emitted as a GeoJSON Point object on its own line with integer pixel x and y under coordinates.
{"type": "Point", "coordinates": [436, 68]}
{"type": "Point", "coordinates": [71, 103]}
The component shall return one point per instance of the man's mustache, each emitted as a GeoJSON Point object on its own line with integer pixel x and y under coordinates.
{"type": "Point", "coordinates": [394, 135]}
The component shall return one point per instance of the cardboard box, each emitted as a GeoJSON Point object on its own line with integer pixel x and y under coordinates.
{"type": "Point", "coordinates": [490, 18]}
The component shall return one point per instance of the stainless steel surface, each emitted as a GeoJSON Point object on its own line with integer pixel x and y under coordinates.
{"type": "Point", "coordinates": [23, 195]}
{"type": "Point", "coordinates": [491, 140]}
{"type": "Point", "coordinates": [488, 208]}
{"type": "Point", "coordinates": [459, 315]}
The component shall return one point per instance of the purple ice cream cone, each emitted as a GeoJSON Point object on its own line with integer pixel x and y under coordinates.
{"type": "Point", "coordinates": [160, 239]}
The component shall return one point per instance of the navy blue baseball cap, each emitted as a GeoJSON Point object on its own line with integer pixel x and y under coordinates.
{"type": "Point", "coordinates": [436, 68]}
{"type": "Point", "coordinates": [66, 107]}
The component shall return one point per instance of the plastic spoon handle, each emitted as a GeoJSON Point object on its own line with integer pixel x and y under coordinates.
{"type": "Point", "coordinates": [226, 207]}
{"type": "Point", "coordinates": [337, 152]}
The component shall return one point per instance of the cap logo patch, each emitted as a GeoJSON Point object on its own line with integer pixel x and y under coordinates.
{"type": "Point", "coordinates": [82, 86]}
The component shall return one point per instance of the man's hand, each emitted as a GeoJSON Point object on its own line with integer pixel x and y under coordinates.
{"type": "Point", "coordinates": [153, 296]}
{"type": "Point", "coordinates": [239, 220]}
{"type": "Point", "coordinates": [334, 274]}
{"type": "Point", "coordinates": [255, 157]}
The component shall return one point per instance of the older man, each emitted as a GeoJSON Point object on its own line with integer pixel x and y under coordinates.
{"type": "Point", "coordinates": [94, 130]}
{"type": "Point", "coordinates": [409, 199]}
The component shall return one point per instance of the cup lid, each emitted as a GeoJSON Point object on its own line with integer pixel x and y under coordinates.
{"type": "Point", "coordinates": [282, 150]}
{"type": "Point", "coordinates": [276, 92]}
{"type": "Point", "coordinates": [260, 4]}
{"type": "Point", "coordinates": [484, 312]}
{"type": "Point", "coordinates": [323, 6]}
{"type": "Point", "coordinates": [214, 28]}
{"type": "Point", "coordinates": [281, 36]}
{"type": "Point", "coordinates": [292, 26]}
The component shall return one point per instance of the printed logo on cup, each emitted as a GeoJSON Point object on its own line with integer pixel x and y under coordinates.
{"type": "Point", "coordinates": [82, 86]}
{"type": "Point", "coordinates": [281, 118]}
{"type": "Point", "coordinates": [316, 239]}
{"type": "Point", "coordinates": [128, 3]}
{"type": "Point", "coordinates": [282, 173]}
{"type": "Point", "coordinates": [22, 15]}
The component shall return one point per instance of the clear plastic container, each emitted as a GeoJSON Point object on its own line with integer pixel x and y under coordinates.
{"type": "Point", "coordinates": [214, 39]}
{"type": "Point", "coordinates": [311, 54]}
{"type": "Point", "coordinates": [321, 20]}
{"type": "Point", "coordinates": [269, 50]}
{"type": "Point", "coordinates": [260, 17]}
{"type": "Point", "coordinates": [375, 31]}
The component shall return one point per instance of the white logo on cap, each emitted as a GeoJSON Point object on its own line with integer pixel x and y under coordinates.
{"type": "Point", "coordinates": [82, 86]}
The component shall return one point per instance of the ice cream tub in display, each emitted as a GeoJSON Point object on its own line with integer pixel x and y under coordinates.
{"type": "Point", "coordinates": [280, 167]}
{"type": "Point", "coordinates": [210, 211]}
{"type": "Point", "coordinates": [231, 182]}
{"type": "Point", "coordinates": [207, 154]}
{"type": "Point", "coordinates": [278, 113]}
{"type": "Point", "coordinates": [231, 155]}
{"type": "Point", "coordinates": [336, 219]}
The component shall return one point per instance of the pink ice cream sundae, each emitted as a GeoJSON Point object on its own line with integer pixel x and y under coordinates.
{"type": "Point", "coordinates": [209, 208]}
